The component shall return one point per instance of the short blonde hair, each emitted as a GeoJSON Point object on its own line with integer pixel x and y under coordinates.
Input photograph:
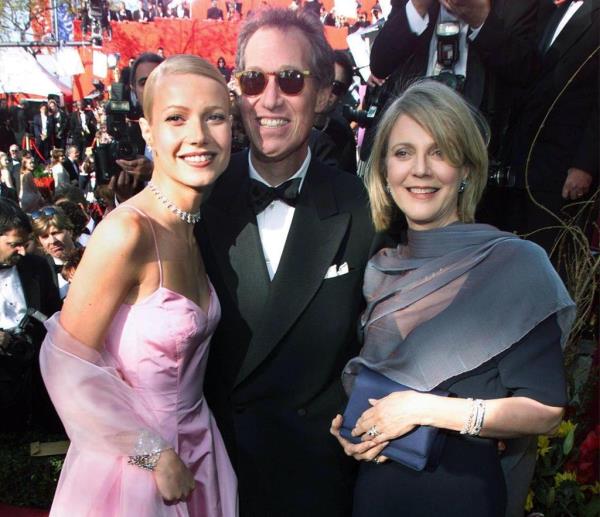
{"type": "Point", "coordinates": [179, 65]}
{"type": "Point", "coordinates": [458, 129]}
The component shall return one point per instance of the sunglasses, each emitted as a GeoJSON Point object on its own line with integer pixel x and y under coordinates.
{"type": "Point", "coordinates": [338, 88]}
{"type": "Point", "coordinates": [47, 211]}
{"type": "Point", "coordinates": [254, 82]}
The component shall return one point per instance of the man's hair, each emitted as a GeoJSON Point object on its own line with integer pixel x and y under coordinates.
{"type": "Point", "coordinates": [68, 192]}
{"type": "Point", "coordinates": [75, 214]}
{"type": "Point", "coordinates": [12, 217]}
{"type": "Point", "coordinates": [457, 128]}
{"type": "Point", "coordinates": [180, 64]}
{"type": "Point", "coordinates": [283, 19]}
{"type": "Point", "coordinates": [59, 220]}
{"type": "Point", "coordinates": [146, 57]}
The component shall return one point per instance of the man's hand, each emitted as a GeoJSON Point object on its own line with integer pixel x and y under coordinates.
{"type": "Point", "coordinates": [472, 12]}
{"type": "Point", "coordinates": [131, 179]}
{"type": "Point", "coordinates": [422, 6]}
{"type": "Point", "coordinates": [5, 339]}
{"type": "Point", "coordinates": [374, 81]}
{"type": "Point", "coordinates": [577, 184]}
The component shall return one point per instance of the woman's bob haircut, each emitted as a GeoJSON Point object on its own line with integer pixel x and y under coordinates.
{"type": "Point", "coordinates": [458, 129]}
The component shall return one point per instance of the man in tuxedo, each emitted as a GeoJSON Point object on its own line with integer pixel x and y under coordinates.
{"type": "Point", "coordinates": [43, 131]}
{"type": "Point", "coordinates": [213, 12]}
{"type": "Point", "coordinates": [287, 263]}
{"type": "Point", "coordinates": [26, 286]}
{"type": "Point", "coordinates": [73, 167]}
{"type": "Point", "coordinates": [82, 127]}
{"type": "Point", "coordinates": [142, 15]}
{"type": "Point", "coordinates": [563, 167]}
{"type": "Point", "coordinates": [122, 14]}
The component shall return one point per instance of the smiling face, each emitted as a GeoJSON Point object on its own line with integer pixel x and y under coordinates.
{"type": "Point", "coordinates": [277, 124]}
{"type": "Point", "coordinates": [190, 129]}
{"type": "Point", "coordinates": [56, 242]}
{"type": "Point", "coordinates": [422, 182]}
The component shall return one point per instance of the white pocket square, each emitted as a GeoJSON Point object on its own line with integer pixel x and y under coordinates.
{"type": "Point", "coordinates": [334, 270]}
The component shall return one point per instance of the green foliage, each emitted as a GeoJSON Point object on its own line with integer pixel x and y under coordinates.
{"type": "Point", "coordinates": [26, 480]}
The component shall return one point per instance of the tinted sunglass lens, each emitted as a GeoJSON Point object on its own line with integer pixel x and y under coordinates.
{"type": "Point", "coordinates": [291, 82]}
{"type": "Point", "coordinates": [252, 83]}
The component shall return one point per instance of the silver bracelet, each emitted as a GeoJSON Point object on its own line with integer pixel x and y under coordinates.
{"type": "Point", "coordinates": [480, 416]}
{"type": "Point", "coordinates": [469, 421]}
{"type": "Point", "coordinates": [145, 461]}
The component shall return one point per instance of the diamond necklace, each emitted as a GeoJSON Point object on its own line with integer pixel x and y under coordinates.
{"type": "Point", "coordinates": [188, 217]}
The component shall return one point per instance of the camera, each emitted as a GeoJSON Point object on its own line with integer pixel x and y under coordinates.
{"type": "Point", "coordinates": [117, 125]}
{"type": "Point", "coordinates": [500, 175]}
{"type": "Point", "coordinates": [21, 346]}
{"type": "Point", "coordinates": [374, 101]}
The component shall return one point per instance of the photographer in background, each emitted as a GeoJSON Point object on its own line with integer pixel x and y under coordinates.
{"type": "Point", "coordinates": [482, 48]}
{"type": "Point", "coordinates": [27, 294]}
{"type": "Point", "coordinates": [135, 172]}
{"type": "Point", "coordinates": [331, 122]}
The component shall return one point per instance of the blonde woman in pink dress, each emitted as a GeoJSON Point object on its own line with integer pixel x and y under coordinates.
{"type": "Point", "coordinates": [124, 361]}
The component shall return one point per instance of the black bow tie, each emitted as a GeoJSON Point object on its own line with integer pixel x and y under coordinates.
{"type": "Point", "coordinates": [262, 195]}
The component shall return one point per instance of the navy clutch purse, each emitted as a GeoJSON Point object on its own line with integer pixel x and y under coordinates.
{"type": "Point", "coordinates": [417, 449]}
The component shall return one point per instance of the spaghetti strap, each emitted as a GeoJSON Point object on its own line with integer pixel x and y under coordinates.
{"type": "Point", "coordinates": [160, 270]}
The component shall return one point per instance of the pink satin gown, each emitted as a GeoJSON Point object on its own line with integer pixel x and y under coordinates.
{"type": "Point", "coordinates": [158, 349]}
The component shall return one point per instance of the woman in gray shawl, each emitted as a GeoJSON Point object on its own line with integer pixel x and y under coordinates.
{"type": "Point", "coordinates": [461, 307]}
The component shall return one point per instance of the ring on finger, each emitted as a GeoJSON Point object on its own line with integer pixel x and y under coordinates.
{"type": "Point", "coordinates": [376, 460]}
{"type": "Point", "coordinates": [373, 432]}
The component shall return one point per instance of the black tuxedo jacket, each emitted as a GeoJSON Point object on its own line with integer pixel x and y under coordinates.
{"type": "Point", "coordinates": [38, 129]}
{"type": "Point", "coordinates": [76, 132]}
{"type": "Point", "coordinates": [70, 168]}
{"type": "Point", "coordinates": [38, 284]}
{"type": "Point", "coordinates": [569, 137]}
{"type": "Point", "coordinates": [499, 59]}
{"type": "Point", "coordinates": [273, 379]}
{"type": "Point", "coordinates": [142, 15]}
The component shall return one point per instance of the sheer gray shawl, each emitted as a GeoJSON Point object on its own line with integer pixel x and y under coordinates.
{"type": "Point", "coordinates": [452, 299]}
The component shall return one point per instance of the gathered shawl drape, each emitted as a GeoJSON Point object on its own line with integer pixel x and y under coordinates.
{"type": "Point", "coordinates": [452, 299]}
{"type": "Point", "coordinates": [100, 411]}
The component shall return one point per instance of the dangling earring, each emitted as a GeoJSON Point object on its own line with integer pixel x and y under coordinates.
{"type": "Point", "coordinates": [462, 186]}
{"type": "Point", "coordinates": [387, 188]}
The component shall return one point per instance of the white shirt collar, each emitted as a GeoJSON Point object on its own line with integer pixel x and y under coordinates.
{"type": "Point", "coordinates": [300, 173]}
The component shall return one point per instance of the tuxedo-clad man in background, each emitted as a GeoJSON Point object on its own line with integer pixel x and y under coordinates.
{"type": "Point", "coordinates": [73, 167]}
{"type": "Point", "coordinates": [26, 285]}
{"type": "Point", "coordinates": [285, 241]}
{"type": "Point", "coordinates": [14, 165]}
{"type": "Point", "coordinates": [43, 131]}
{"type": "Point", "coordinates": [59, 121]}
{"type": "Point", "coordinates": [565, 158]}
{"type": "Point", "coordinates": [82, 127]}
{"type": "Point", "coordinates": [135, 172]}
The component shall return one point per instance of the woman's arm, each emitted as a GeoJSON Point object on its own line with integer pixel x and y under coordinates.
{"type": "Point", "coordinates": [112, 266]}
{"type": "Point", "coordinates": [510, 417]}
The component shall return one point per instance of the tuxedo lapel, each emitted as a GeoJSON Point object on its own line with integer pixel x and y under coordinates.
{"type": "Point", "coordinates": [311, 246]}
{"type": "Point", "coordinates": [571, 33]}
{"type": "Point", "coordinates": [234, 237]}
{"type": "Point", "coordinates": [30, 285]}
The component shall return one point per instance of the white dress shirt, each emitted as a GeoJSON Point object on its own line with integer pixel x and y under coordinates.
{"type": "Point", "coordinates": [274, 221]}
{"type": "Point", "coordinates": [571, 10]}
{"type": "Point", "coordinates": [418, 25]}
{"type": "Point", "coordinates": [12, 298]}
